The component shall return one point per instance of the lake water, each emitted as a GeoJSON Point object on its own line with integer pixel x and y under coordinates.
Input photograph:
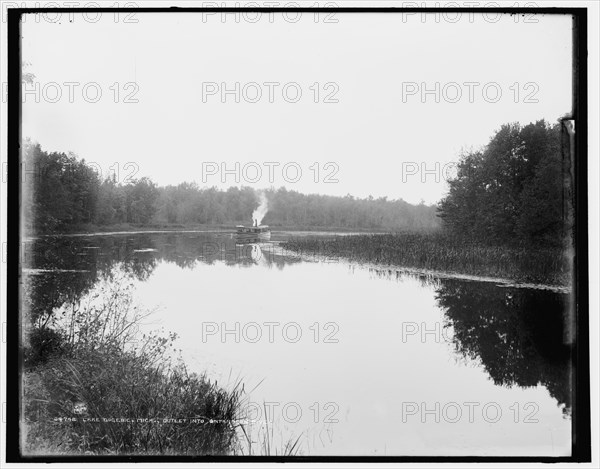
{"type": "Point", "coordinates": [353, 360]}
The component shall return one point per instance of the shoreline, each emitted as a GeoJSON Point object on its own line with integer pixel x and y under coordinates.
{"type": "Point", "coordinates": [207, 229]}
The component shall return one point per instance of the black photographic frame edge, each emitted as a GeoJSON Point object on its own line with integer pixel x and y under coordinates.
{"type": "Point", "coordinates": [581, 419]}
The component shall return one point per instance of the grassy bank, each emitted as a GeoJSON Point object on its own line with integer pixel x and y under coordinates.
{"type": "Point", "coordinates": [92, 385]}
{"type": "Point", "coordinates": [441, 252]}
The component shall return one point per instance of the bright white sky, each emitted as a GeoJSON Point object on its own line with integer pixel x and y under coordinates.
{"type": "Point", "coordinates": [370, 134]}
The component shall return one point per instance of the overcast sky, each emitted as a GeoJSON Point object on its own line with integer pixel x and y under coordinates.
{"type": "Point", "coordinates": [379, 135]}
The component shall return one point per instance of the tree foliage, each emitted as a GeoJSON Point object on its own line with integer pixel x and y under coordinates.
{"type": "Point", "coordinates": [511, 191]}
{"type": "Point", "coordinates": [64, 193]}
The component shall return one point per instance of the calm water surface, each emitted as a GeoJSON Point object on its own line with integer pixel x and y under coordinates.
{"type": "Point", "coordinates": [351, 359]}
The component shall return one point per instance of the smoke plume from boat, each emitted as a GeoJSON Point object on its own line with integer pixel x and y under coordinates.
{"type": "Point", "coordinates": [261, 211]}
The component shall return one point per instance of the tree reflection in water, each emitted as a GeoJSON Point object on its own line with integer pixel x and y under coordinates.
{"type": "Point", "coordinates": [61, 269]}
{"type": "Point", "coordinates": [519, 335]}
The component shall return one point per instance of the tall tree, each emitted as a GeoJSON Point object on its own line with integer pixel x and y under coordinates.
{"type": "Point", "coordinates": [512, 191]}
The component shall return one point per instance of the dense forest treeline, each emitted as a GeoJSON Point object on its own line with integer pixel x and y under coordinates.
{"type": "Point", "coordinates": [65, 193]}
{"type": "Point", "coordinates": [513, 191]}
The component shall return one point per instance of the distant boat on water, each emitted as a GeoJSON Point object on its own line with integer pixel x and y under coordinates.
{"type": "Point", "coordinates": [249, 234]}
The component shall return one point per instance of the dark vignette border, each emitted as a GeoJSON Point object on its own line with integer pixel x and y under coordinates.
{"type": "Point", "coordinates": [581, 436]}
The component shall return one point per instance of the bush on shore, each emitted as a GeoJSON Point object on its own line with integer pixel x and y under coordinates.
{"type": "Point", "coordinates": [92, 386]}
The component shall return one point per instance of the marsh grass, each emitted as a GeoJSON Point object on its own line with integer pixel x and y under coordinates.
{"type": "Point", "coordinates": [72, 402]}
{"type": "Point", "coordinates": [442, 252]}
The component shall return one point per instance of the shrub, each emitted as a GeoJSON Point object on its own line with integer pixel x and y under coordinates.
{"type": "Point", "coordinates": [44, 343]}
{"type": "Point", "coordinates": [88, 367]}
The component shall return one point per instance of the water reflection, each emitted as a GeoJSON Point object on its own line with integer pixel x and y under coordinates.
{"type": "Point", "coordinates": [517, 334]}
{"type": "Point", "coordinates": [519, 338]}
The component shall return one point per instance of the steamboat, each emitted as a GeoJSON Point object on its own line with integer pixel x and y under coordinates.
{"type": "Point", "coordinates": [252, 234]}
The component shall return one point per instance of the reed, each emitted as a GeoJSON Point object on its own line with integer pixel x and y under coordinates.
{"type": "Point", "coordinates": [439, 251]}
{"type": "Point", "coordinates": [261, 439]}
